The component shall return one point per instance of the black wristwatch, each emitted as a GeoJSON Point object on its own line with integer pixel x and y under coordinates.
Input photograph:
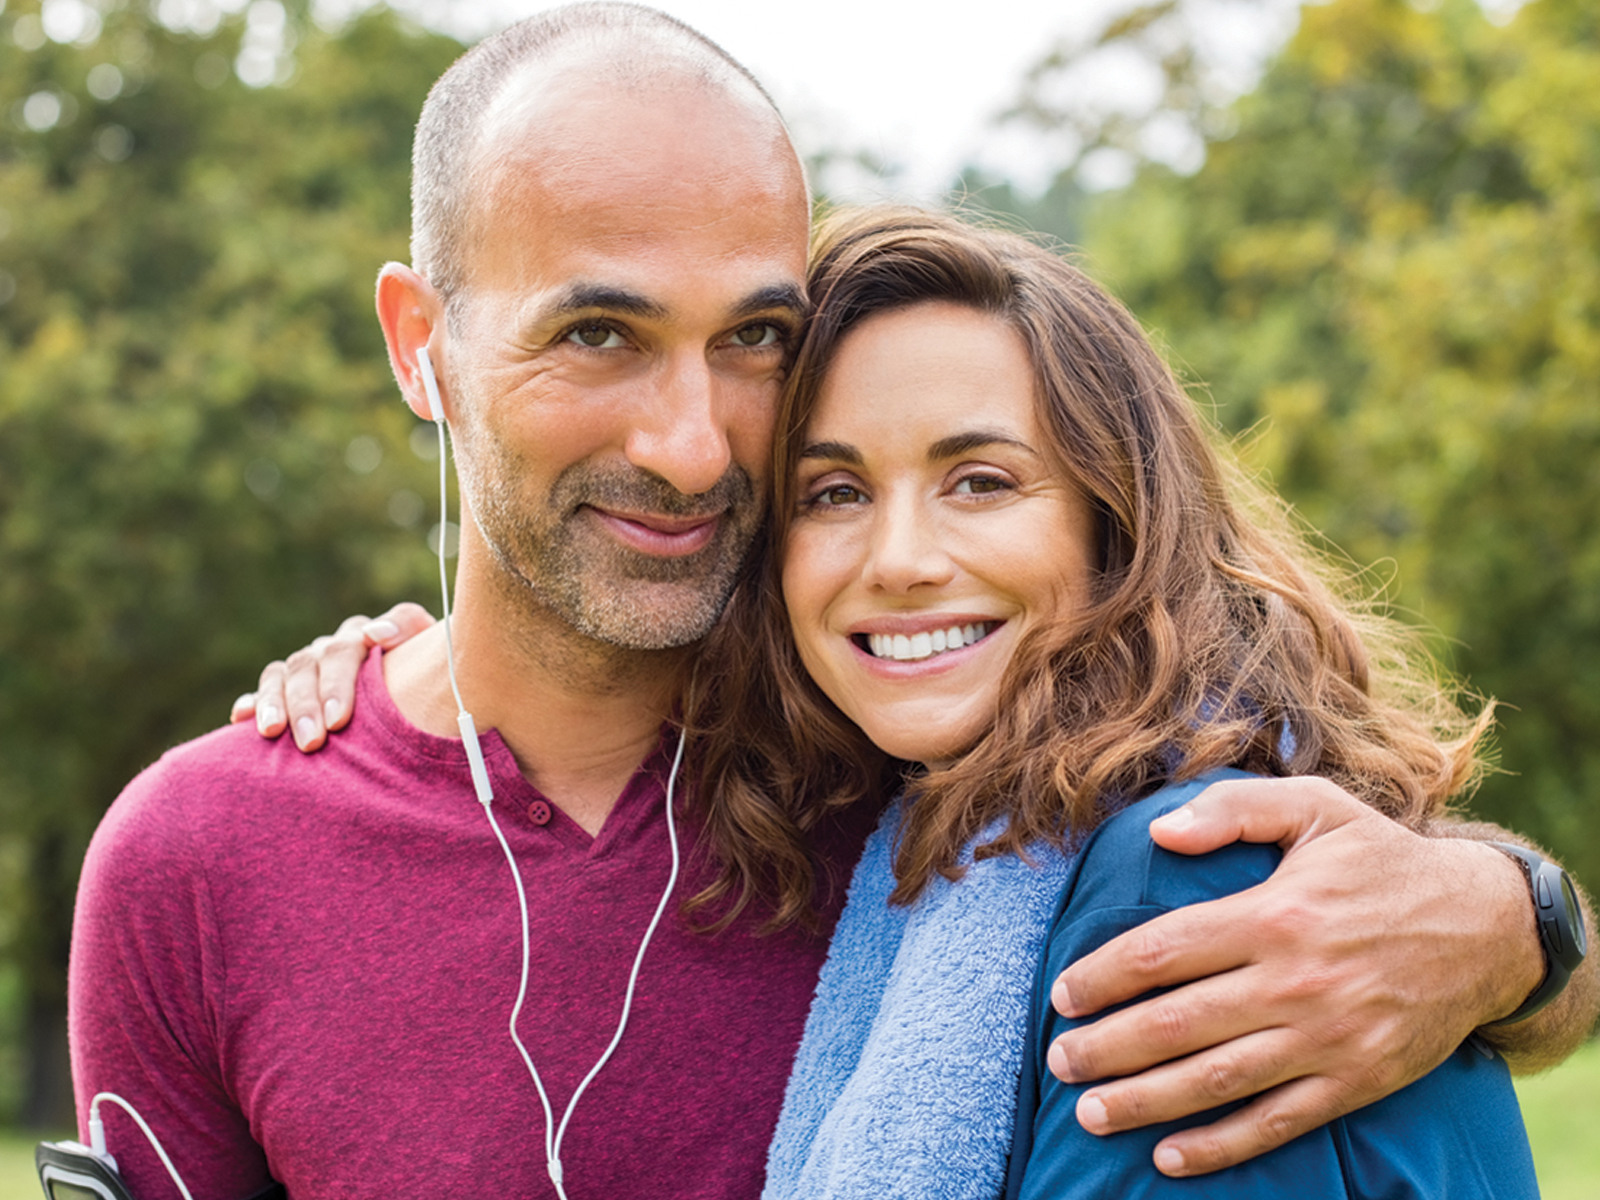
{"type": "Point", "coordinates": [1560, 921]}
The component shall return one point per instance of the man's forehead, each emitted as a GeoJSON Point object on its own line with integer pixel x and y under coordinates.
{"type": "Point", "coordinates": [587, 175]}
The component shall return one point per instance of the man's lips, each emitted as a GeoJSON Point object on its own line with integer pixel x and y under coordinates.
{"type": "Point", "coordinates": [660, 534]}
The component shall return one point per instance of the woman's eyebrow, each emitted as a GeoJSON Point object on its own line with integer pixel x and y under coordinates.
{"type": "Point", "coordinates": [953, 446]}
{"type": "Point", "coordinates": [958, 444]}
{"type": "Point", "coordinates": [833, 452]}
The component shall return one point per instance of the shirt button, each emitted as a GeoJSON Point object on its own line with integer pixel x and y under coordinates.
{"type": "Point", "coordinates": [539, 812]}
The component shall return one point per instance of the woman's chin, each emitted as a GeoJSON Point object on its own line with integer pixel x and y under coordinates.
{"type": "Point", "coordinates": [933, 750]}
{"type": "Point", "coordinates": [927, 726]}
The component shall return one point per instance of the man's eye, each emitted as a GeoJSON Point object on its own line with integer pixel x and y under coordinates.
{"type": "Point", "coordinates": [596, 336]}
{"type": "Point", "coordinates": [760, 334]}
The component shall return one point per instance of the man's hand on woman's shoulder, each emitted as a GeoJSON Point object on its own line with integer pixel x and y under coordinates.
{"type": "Point", "coordinates": [1367, 957]}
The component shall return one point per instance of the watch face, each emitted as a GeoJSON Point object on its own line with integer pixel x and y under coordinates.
{"type": "Point", "coordinates": [1574, 916]}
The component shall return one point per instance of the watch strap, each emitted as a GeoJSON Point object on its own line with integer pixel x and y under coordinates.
{"type": "Point", "coordinates": [1560, 925]}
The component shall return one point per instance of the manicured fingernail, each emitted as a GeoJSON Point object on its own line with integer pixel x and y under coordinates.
{"type": "Point", "coordinates": [1092, 1114]}
{"type": "Point", "coordinates": [380, 631]}
{"type": "Point", "coordinates": [304, 730]}
{"type": "Point", "coordinates": [267, 718]}
{"type": "Point", "coordinates": [331, 710]}
{"type": "Point", "coordinates": [1178, 818]}
{"type": "Point", "coordinates": [1169, 1160]}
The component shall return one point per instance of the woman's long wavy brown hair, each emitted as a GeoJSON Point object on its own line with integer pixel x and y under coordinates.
{"type": "Point", "coordinates": [1214, 636]}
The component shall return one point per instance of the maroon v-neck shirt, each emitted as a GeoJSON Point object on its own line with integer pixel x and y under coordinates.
{"type": "Point", "coordinates": [303, 966]}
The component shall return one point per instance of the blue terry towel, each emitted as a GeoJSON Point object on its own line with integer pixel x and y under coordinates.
{"type": "Point", "coordinates": [905, 1083]}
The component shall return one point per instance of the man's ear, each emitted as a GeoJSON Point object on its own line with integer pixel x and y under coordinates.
{"type": "Point", "coordinates": [411, 313]}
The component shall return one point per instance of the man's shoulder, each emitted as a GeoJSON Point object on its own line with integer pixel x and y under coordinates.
{"type": "Point", "coordinates": [195, 792]}
{"type": "Point", "coordinates": [220, 757]}
{"type": "Point", "coordinates": [234, 773]}
{"type": "Point", "coordinates": [223, 766]}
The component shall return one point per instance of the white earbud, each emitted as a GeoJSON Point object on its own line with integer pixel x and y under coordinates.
{"type": "Point", "coordinates": [430, 384]}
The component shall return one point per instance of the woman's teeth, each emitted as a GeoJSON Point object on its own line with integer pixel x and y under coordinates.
{"type": "Point", "coordinates": [911, 647]}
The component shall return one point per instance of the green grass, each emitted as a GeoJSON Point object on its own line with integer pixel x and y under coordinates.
{"type": "Point", "coordinates": [1561, 1109]}
{"type": "Point", "coordinates": [17, 1180]}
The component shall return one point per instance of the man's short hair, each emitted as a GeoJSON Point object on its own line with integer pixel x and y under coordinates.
{"type": "Point", "coordinates": [641, 43]}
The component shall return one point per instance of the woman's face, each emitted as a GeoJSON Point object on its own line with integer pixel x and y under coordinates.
{"type": "Point", "coordinates": [933, 530]}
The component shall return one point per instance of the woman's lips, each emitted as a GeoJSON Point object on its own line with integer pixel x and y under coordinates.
{"type": "Point", "coordinates": [659, 534]}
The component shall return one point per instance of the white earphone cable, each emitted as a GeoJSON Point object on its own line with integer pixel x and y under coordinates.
{"type": "Point", "coordinates": [444, 578]}
{"type": "Point", "coordinates": [638, 961]}
{"type": "Point", "coordinates": [97, 1136]}
{"type": "Point", "coordinates": [553, 1134]}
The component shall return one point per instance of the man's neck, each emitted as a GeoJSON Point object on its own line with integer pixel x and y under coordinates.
{"type": "Point", "coordinates": [578, 715]}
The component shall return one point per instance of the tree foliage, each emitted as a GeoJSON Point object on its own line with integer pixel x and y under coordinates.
{"type": "Point", "coordinates": [202, 460]}
{"type": "Point", "coordinates": [1389, 275]}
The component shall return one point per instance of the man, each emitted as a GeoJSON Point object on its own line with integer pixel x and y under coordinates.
{"type": "Point", "coordinates": [302, 968]}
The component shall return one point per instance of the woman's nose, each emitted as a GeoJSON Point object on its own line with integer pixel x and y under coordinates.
{"type": "Point", "coordinates": [907, 550]}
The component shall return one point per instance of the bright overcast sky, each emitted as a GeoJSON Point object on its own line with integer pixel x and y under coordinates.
{"type": "Point", "coordinates": [891, 78]}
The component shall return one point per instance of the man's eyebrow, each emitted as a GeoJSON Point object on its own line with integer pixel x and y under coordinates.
{"type": "Point", "coordinates": [958, 444]}
{"type": "Point", "coordinates": [585, 297]}
{"type": "Point", "coordinates": [833, 452]}
{"type": "Point", "coordinates": [780, 295]}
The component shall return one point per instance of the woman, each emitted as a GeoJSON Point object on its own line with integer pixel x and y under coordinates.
{"type": "Point", "coordinates": [1007, 562]}
{"type": "Point", "coordinates": [1009, 554]}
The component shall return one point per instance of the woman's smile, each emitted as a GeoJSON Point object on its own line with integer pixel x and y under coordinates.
{"type": "Point", "coordinates": [933, 531]}
{"type": "Point", "coordinates": [922, 638]}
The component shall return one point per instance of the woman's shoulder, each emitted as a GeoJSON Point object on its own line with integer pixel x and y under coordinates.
{"type": "Point", "coordinates": [1121, 866]}
{"type": "Point", "coordinates": [1454, 1132]}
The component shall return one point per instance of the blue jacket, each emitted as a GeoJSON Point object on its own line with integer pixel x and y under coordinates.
{"type": "Point", "coordinates": [1455, 1134]}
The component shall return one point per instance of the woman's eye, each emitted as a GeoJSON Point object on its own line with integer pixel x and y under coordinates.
{"type": "Point", "coordinates": [595, 336]}
{"type": "Point", "coordinates": [838, 495]}
{"type": "Point", "coordinates": [760, 334]}
{"type": "Point", "coordinates": [980, 485]}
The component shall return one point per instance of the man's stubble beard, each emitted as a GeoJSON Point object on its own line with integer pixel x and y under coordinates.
{"type": "Point", "coordinates": [553, 552]}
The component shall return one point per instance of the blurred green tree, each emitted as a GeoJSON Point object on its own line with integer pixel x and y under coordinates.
{"type": "Point", "coordinates": [202, 459]}
{"type": "Point", "coordinates": [1387, 272]}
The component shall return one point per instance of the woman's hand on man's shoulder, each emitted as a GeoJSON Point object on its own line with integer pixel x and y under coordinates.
{"type": "Point", "coordinates": [313, 691]}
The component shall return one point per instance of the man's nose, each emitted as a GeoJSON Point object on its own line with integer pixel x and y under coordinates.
{"type": "Point", "coordinates": [907, 549]}
{"type": "Point", "coordinates": [680, 432]}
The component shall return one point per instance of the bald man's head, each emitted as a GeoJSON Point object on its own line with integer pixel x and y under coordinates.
{"type": "Point", "coordinates": [623, 47]}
